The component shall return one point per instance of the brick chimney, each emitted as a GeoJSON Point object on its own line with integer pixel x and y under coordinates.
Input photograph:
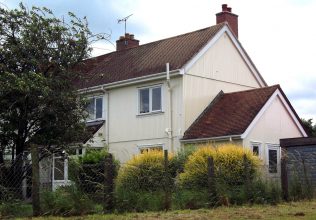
{"type": "Point", "coordinates": [227, 16]}
{"type": "Point", "coordinates": [126, 42]}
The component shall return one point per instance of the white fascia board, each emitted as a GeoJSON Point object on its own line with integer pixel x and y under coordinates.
{"type": "Point", "coordinates": [220, 138]}
{"type": "Point", "coordinates": [241, 51]}
{"type": "Point", "coordinates": [132, 81]}
{"type": "Point", "coordinates": [276, 94]}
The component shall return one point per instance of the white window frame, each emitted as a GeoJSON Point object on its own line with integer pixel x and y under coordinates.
{"type": "Point", "coordinates": [148, 146]}
{"type": "Point", "coordinates": [277, 148]}
{"type": "Point", "coordinates": [95, 107]}
{"type": "Point", "coordinates": [65, 180]}
{"type": "Point", "coordinates": [259, 145]}
{"type": "Point", "coordinates": [150, 99]}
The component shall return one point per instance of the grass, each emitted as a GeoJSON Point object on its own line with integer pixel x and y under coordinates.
{"type": "Point", "coordinates": [294, 210]}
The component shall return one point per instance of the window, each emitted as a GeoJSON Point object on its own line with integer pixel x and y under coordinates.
{"type": "Point", "coordinates": [147, 148]}
{"type": "Point", "coordinates": [59, 168]}
{"type": "Point", "coordinates": [273, 161]}
{"type": "Point", "coordinates": [150, 100]}
{"type": "Point", "coordinates": [256, 149]}
{"type": "Point", "coordinates": [95, 108]}
{"type": "Point", "coordinates": [273, 158]}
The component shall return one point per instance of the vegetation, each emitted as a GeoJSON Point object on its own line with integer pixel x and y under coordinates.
{"type": "Point", "coordinates": [66, 201]}
{"type": "Point", "coordinates": [39, 104]}
{"type": "Point", "coordinates": [283, 211]}
{"type": "Point", "coordinates": [228, 164]}
{"type": "Point", "coordinates": [310, 127]}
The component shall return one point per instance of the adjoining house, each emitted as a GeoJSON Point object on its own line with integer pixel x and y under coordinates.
{"type": "Point", "coordinates": [192, 88]}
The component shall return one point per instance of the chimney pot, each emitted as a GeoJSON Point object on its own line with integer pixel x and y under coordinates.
{"type": "Point", "coordinates": [224, 7]}
{"type": "Point", "coordinates": [127, 41]}
{"type": "Point", "coordinates": [227, 16]}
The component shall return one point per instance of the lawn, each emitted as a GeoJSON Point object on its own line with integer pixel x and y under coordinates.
{"type": "Point", "coordinates": [294, 210]}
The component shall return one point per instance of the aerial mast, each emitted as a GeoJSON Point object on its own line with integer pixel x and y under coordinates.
{"type": "Point", "coordinates": [124, 20]}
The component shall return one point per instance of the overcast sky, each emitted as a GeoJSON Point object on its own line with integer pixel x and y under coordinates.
{"type": "Point", "coordinates": [279, 35]}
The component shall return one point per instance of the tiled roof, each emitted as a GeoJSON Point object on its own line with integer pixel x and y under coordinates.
{"type": "Point", "coordinates": [230, 113]}
{"type": "Point", "coordinates": [145, 59]}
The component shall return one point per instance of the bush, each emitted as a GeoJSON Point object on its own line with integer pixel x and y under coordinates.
{"type": "Point", "coordinates": [141, 182]}
{"type": "Point", "coordinates": [15, 209]}
{"type": "Point", "coordinates": [228, 165]}
{"type": "Point", "coordinates": [88, 172]}
{"type": "Point", "coordinates": [144, 172]}
{"type": "Point", "coordinates": [66, 201]}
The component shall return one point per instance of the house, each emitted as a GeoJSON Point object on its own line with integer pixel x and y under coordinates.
{"type": "Point", "coordinates": [188, 89]}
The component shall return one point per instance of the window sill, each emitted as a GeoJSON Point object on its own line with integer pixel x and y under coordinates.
{"type": "Point", "coordinates": [150, 113]}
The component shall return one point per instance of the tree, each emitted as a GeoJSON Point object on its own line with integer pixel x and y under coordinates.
{"type": "Point", "coordinates": [38, 101]}
{"type": "Point", "coordinates": [309, 127]}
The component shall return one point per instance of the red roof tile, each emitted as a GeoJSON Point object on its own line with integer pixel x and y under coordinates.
{"type": "Point", "coordinates": [145, 59]}
{"type": "Point", "coordinates": [230, 113]}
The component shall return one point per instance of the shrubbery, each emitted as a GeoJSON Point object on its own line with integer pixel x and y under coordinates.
{"type": "Point", "coordinates": [228, 164]}
{"type": "Point", "coordinates": [142, 180]}
{"type": "Point", "coordinates": [66, 201]}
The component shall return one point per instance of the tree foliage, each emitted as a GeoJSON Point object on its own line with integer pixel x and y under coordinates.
{"type": "Point", "coordinates": [310, 127]}
{"type": "Point", "coordinates": [38, 102]}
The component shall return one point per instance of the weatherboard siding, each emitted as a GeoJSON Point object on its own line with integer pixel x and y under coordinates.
{"type": "Point", "coordinates": [223, 62]}
{"type": "Point", "coordinates": [274, 124]}
{"type": "Point", "coordinates": [220, 68]}
{"type": "Point", "coordinates": [128, 129]}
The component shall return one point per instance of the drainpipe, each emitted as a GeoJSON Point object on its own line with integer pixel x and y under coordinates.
{"type": "Point", "coordinates": [169, 129]}
{"type": "Point", "coordinates": [107, 116]}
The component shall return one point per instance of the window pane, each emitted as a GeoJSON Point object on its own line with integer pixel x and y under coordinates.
{"type": "Point", "coordinates": [90, 109]}
{"type": "Point", "coordinates": [59, 169]}
{"type": "Point", "coordinates": [255, 150]}
{"type": "Point", "coordinates": [99, 106]}
{"type": "Point", "coordinates": [156, 99]}
{"type": "Point", "coordinates": [148, 149]}
{"type": "Point", "coordinates": [273, 161]}
{"type": "Point", "coordinates": [143, 100]}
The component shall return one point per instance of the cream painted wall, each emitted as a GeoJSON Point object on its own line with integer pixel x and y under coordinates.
{"type": "Point", "coordinates": [220, 68]}
{"type": "Point", "coordinates": [127, 129]}
{"type": "Point", "coordinates": [223, 62]}
{"type": "Point", "coordinates": [274, 124]}
{"type": "Point", "coordinates": [199, 92]}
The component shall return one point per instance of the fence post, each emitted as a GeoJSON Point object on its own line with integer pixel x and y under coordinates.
{"type": "Point", "coordinates": [108, 203]}
{"type": "Point", "coordinates": [284, 179]}
{"type": "Point", "coordinates": [247, 183]}
{"type": "Point", "coordinates": [211, 180]}
{"type": "Point", "coordinates": [35, 181]}
{"type": "Point", "coordinates": [167, 203]}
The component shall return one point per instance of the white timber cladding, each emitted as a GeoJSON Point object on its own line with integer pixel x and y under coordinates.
{"type": "Point", "coordinates": [274, 123]}
{"type": "Point", "coordinates": [128, 129]}
{"type": "Point", "coordinates": [221, 67]}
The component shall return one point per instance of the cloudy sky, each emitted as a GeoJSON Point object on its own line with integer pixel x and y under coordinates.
{"type": "Point", "coordinates": [279, 35]}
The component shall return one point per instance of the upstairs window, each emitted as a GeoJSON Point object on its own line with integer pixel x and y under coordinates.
{"type": "Point", "coordinates": [150, 100]}
{"type": "Point", "coordinates": [95, 108]}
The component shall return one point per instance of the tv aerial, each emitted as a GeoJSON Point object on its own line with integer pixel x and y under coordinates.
{"type": "Point", "coordinates": [124, 20]}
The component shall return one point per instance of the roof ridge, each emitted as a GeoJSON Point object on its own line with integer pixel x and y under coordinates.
{"type": "Point", "coordinates": [168, 38]}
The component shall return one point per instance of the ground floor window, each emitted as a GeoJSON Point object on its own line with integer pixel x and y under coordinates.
{"type": "Point", "coordinates": [147, 148]}
{"type": "Point", "coordinates": [273, 156]}
{"type": "Point", "coordinates": [60, 169]}
{"type": "Point", "coordinates": [256, 148]}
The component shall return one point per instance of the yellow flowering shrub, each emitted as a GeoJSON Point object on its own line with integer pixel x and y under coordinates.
{"type": "Point", "coordinates": [228, 165]}
{"type": "Point", "coordinates": [143, 172]}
